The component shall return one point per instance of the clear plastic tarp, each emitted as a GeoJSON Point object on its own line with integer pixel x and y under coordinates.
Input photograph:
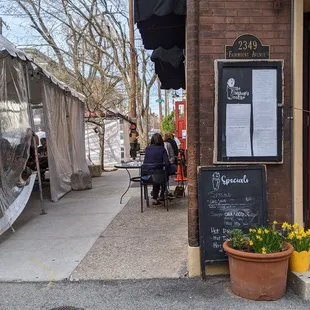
{"type": "Point", "coordinates": [23, 82]}
{"type": "Point", "coordinates": [15, 141]}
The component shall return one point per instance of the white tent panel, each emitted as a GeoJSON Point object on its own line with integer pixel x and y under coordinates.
{"type": "Point", "coordinates": [58, 140]}
{"type": "Point", "coordinates": [76, 128]}
{"type": "Point", "coordinates": [112, 143]}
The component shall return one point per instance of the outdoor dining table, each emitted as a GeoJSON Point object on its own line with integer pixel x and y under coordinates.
{"type": "Point", "coordinates": [129, 166]}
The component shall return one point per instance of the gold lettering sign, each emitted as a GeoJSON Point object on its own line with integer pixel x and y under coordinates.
{"type": "Point", "coordinates": [247, 46]}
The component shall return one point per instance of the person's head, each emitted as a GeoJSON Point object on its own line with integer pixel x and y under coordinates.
{"type": "Point", "coordinates": [43, 141]}
{"type": "Point", "coordinates": [157, 139]}
{"type": "Point", "coordinates": [167, 136]}
{"type": "Point", "coordinates": [133, 127]}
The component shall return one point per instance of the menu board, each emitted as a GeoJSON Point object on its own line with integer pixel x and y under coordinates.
{"type": "Point", "coordinates": [249, 111]}
{"type": "Point", "coordinates": [229, 197]}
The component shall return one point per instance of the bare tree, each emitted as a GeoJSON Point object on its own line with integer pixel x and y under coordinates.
{"type": "Point", "coordinates": [89, 39]}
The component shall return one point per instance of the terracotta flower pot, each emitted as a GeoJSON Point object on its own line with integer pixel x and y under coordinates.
{"type": "Point", "coordinates": [258, 276]}
{"type": "Point", "coordinates": [299, 261]}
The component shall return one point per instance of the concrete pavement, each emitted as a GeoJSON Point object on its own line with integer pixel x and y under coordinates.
{"type": "Point", "coordinates": [49, 247]}
{"type": "Point", "coordinates": [139, 245]}
{"type": "Point", "coordinates": [168, 294]}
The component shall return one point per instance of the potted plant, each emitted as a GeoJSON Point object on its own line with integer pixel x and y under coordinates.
{"type": "Point", "coordinates": [258, 262]}
{"type": "Point", "coordinates": [300, 240]}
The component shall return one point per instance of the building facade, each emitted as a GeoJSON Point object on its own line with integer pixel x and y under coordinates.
{"type": "Point", "coordinates": [284, 26]}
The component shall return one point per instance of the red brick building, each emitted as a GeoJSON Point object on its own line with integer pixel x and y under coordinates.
{"type": "Point", "coordinates": [210, 26]}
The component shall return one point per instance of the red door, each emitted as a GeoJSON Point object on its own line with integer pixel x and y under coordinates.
{"type": "Point", "coordinates": [180, 122]}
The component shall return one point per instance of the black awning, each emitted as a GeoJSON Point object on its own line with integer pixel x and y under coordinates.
{"type": "Point", "coordinates": [170, 68]}
{"type": "Point", "coordinates": [161, 22]}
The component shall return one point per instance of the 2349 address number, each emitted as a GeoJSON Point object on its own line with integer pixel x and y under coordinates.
{"type": "Point", "coordinates": [247, 45]}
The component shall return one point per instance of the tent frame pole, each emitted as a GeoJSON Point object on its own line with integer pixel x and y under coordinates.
{"type": "Point", "coordinates": [34, 142]}
{"type": "Point", "coordinates": [70, 144]}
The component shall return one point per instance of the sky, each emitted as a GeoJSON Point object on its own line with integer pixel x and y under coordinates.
{"type": "Point", "coordinates": [19, 32]}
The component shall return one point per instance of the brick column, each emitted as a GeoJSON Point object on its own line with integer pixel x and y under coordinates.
{"type": "Point", "coordinates": [192, 91]}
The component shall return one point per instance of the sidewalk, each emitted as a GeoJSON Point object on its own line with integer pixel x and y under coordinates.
{"type": "Point", "coordinates": [49, 247]}
{"type": "Point", "coordinates": [155, 294]}
{"type": "Point", "coordinates": [136, 245]}
{"type": "Point", "coordinates": [90, 235]}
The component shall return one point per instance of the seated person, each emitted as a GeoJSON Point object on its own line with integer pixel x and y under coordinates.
{"type": "Point", "coordinates": [155, 158]}
{"type": "Point", "coordinates": [169, 138]}
{"type": "Point", "coordinates": [43, 161]}
{"type": "Point", "coordinates": [42, 151]}
{"type": "Point", "coordinates": [171, 154]}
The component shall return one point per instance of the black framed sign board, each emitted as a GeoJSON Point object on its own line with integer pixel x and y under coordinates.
{"type": "Point", "coordinates": [228, 197]}
{"type": "Point", "coordinates": [248, 111]}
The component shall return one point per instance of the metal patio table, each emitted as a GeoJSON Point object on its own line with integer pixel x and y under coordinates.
{"type": "Point", "coordinates": [129, 166]}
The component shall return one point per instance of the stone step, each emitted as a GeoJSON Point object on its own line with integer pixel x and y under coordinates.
{"type": "Point", "coordinates": [300, 283]}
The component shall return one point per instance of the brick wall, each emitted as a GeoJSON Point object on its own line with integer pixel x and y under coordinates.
{"type": "Point", "coordinates": [220, 22]}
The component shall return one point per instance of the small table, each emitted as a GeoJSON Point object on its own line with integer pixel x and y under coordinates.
{"type": "Point", "coordinates": [129, 166]}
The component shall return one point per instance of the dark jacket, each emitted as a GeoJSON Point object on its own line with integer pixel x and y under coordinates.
{"type": "Point", "coordinates": [155, 157]}
{"type": "Point", "coordinates": [174, 146]}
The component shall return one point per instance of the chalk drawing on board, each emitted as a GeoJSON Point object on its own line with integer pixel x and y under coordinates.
{"type": "Point", "coordinates": [216, 181]}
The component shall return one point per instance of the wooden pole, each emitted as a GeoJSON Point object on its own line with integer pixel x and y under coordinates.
{"type": "Point", "coordinates": [160, 105]}
{"type": "Point", "coordinates": [133, 108]}
{"type": "Point", "coordinates": [1, 25]}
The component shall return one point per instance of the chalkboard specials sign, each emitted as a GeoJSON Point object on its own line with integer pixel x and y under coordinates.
{"type": "Point", "coordinates": [229, 197]}
{"type": "Point", "coordinates": [247, 46]}
{"type": "Point", "coordinates": [248, 111]}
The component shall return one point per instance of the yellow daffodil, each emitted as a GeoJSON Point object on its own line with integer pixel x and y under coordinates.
{"type": "Point", "coordinates": [266, 231]}
{"type": "Point", "coordinates": [274, 222]}
{"type": "Point", "coordinates": [259, 231]}
{"type": "Point", "coordinates": [263, 250]}
{"type": "Point", "coordinates": [298, 237]}
{"type": "Point", "coordinates": [284, 225]}
{"type": "Point", "coordinates": [308, 232]}
{"type": "Point", "coordinates": [251, 243]}
{"type": "Point", "coordinates": [295, 226]}
{"type": "Point", "coordinates": [292, 235]}
{"type": "Point", "coordinates": [304, 235]}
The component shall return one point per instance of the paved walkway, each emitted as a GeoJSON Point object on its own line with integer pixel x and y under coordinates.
{"type": "Point", "coordinates": [163, 294]}
{"type": "Point", "coordinates": [139, 245]}
{"type": "Point", "coordinates": [49, 247]}
{"type": "Point", "coordinates": [84, 236]}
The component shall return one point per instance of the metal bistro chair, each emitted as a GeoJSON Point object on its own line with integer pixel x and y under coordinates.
{"type": "Point", "coordinates": [149, 177]}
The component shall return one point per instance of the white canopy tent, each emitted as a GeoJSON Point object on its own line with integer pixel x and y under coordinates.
{"type": "Point", "coordinates": [22, 84]}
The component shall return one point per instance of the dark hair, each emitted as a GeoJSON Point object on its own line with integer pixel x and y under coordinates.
{"type": "Point", "coordinates": [157, 139]}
